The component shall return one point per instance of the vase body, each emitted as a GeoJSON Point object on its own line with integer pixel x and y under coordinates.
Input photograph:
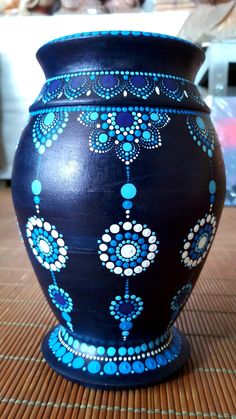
{"type": "Point", "coordinates": [118, 185]}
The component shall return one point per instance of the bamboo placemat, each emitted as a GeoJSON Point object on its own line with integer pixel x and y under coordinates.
{"type": "Point", "coordinates": [205, 387]}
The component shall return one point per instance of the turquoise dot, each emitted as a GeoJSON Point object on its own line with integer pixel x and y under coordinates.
{"type": "Point", "coordinates": [56, 346]}
{"type": "Point", "coordinates": [154, 117]}
{"type": "Point", "coordinates": [110, 368]}
{"type": "Point", "coordinates": [125, 367]}
{"type": "Point", "coordinates": [122, 351]}
{"type": "Point", "coordinates": [78, 362]}
{"type": "Point", "coordinates": [127, 205]}
{"type": "Point", "coordinates": [66, 316]}
{"type": "Point", "coordinates": [111, 351]}
{"type": "Point", "coordinates": [67, 358]}
{"type": "Point", "coordinates": [70, 341]}
{"type": "Point", "coordinates": [161, 360]}
{"type": "Point", "coordinates": [60, 352]}
{"type": "Point", "coordinates": [200, 122]}
{"type": "Point", "coordinates": [36, 199]}
{"type": "Point", "coordinates": [36, 187]}
{"type": "Point", "coordinates": [100, 350]}
{"type": "Point", "coordinates": [128, 191]}
{"type": "Point", "coordinates": [150, 363]}
{"type": "Point", "coordinates": [146, 135]}
{"type": "Point", "coordinates": [138, 367]}
{"type": "Point", "coordinates": [94, 367]}
{"type": "Point", "coordinates": [127, 147]}
{"type": "Point", "coordinates": [131, 350]}
{"type": "Point", "coordinates": [93, 116]}
{"type": "Point", "coordinates": [103, 138]}
{"type": "Point", "coordinates": [210, 154]}
{"type": "Point", "coordinates": [49, 118]}
{"type": "Point", "coordinates": [212, 186]}
{"type": "Point", "coordinates": [75, 344]}
{"type": "Point", "coordinates": [144, 347]}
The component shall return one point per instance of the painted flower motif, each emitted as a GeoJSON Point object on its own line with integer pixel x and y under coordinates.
{"type": "Point", "coordinates": [179, 300]}
{"type": "Point", "coordinates": [60, 298]}
{"type": "Point", "coordinates": [126, 309]}
{"type": "Point", "coordinates": [202, 132]}
{"type": "Point", "coordinates": [125, 129]}
{"type": "Point", "coordinates": [198, 241]}
{"type": "Point", "coordinates": [47, 127]}
{"type": "Point", "coordinates": [128, 248]}
{"type": "Point", "coordinates": [46, 243]}
{"type": "Point", "coordinates": [172, 88]}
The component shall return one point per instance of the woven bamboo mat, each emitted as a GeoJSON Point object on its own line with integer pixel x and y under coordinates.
{"type": "Point", "coordinates": [204, 388]}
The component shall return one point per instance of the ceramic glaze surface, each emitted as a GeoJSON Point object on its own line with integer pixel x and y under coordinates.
{"type": "Point", "coordinates": [118, 185]}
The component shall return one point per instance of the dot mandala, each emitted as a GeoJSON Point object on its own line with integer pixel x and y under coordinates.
{"type": "Point", "coordinates": [60, 298]}
{"type": "Point", "coordinates": [179, 300]}
{"type": "Point", "coordinates": [198, 241]}
{"type": "Point", "coordinates": [125, 309]}
{"type": "Point", "coordinates": [46, 243]}
{"type": "Point", "coordinates": [47, 127]}
{"type": "Point", "coordinates": [52, 90]}
{"type": "Point", "coordinates": [124, 129]}
{"type": "Point", "coordinates": [76, 86]}
{"type": "Point", "coordinates": [172, 88]}
{"type": "Point", "coordinates": [128, 248]}
{"type": "Point", "coordinates": [202, 132]}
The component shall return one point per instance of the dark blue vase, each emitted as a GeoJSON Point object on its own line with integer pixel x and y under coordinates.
{"type": "Point", "coordinates": [118, 185]}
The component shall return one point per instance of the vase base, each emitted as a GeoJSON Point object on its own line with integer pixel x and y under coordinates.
{"type": "Point", "coordinates": [91, 367]}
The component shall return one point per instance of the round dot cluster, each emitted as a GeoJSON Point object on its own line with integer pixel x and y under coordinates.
{"type": "Point", "coordinates": [126, 309]}
{"type": "Point", "coordinates": [76, 86]}
{"type": "Point", "coordinates": [72, 353]}
{"type": "Point", "coordinates": [46, 243]}
{"type": "Point", "coordinates": [198, 241]}
{"type": "Point", "coordinates": [202, 132]}
{"type": "Point", "coordinates": [107, 85]}
{"type": "Point", "coordinates": [173, 89]}
{"type": "Point", "coordinates": [60, 298]}
{"type": "Point", "coordinates": [125, 130]}
{"type": "Point", "coordinates": [47, 128]}
{"type": "Point", "coordinates": [128, 248]}
{"type": "Point", "coordinates": [52, 89]}
{"type": "Point", "coordinates": [180, 299]}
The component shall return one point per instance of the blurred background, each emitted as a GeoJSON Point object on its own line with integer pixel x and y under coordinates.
{"type": "Point", "coordinates": [26, 24]}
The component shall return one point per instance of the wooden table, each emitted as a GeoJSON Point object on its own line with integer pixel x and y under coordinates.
{"type": "Point", "coordinates": [204, 388]}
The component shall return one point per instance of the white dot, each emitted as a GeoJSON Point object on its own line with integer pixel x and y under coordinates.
{"type": "Point", "coordinates": [128, 251]}
{"type": "Point", "coordinates": [196, 228]}
{"type": "Point", "coordinates": [60, 242]}
{"type": "Point", "coordinates": [186, 260]}
{"type": "Point", "coordinates": [53, 267]}
{"type": "Point", "coordinates": [202, 222]}
{"type": "Point", "coordinates": [187, 245]}
{"type": "Point", "coordinates": [196, 262]}
{"type": "Point", "coordinates": [190, 236]}
{"type": "Point", "coordinates": [208, 218]}
{"type": "Point", "coordinates": [106, 238]}
{"type": "Point", "coordinates": [46, 265]}
{"type": "Point", "coordinates": [35, 252]}
{"type": "Point", "coordinates": [63, 251]}
{"type": "Point", "coordinates": [128, 272]}
{"type": "Point", "coordinates": [47, 226]}
{"type": "Point", "coordinates": [34, 221]}
{"type": "Point", "coordinates": [118, 270]}
{"type": "Point", "coordinates": [152, 239]}
{"type": "Point", "coordinates": [40, 259]}
{"type": "Point", "coordinates": [54, 234]}
{"type": "Point", "coordinates": [39, 222]}
{"type": "Point", "coordinates": [146, 232]}
{"type": "Point", "coordinates": [104, 257]}
{"type": "Point", "coordinates": [61, 259]}
{"type": "Point", "coordinates": [58, 264]}
{"type": "Point", "coordinates": [110, 265]}
{"type": "Point", "coordinates": [127, 226]}
{"type": "Point", "coordinates": [153, 247]}
{"type": "Point", "coordinates": [138, 227]}
{"type": "Point", "coordinates": [145, 263]}
{"type": "Point", "coordinates": [151, 256]}
{"type": "Point", "coordinates": [202, 242]}
{"type": "Point", "coordinates": [103, 247]}
{"type": "Point", "coordinates": [184, 254]}
{"type": "Point", "coordinates": [138, 269]}
{"type": "Point", "coordinates": [44, 246]}
{"type": "Point", "coordinates": [114, 228]}
{"type": "Point", "coordinates": [31, 242]}
{"type": "Point", "coordinates": [29, 225]}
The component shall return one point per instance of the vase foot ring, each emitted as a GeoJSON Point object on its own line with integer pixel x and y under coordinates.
{"type": "Point", "coordinates": [121, 369]}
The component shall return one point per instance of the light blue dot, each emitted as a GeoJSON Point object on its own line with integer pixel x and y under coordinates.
{"type": "Point", "coordinates": [60, 352]}
{"type": "Point", "coordinates": [212, 186]}
{"type": "Point", "coordinates": [36, 187]}
{"type": "Point", "coordinates": [210, 154]}
{"type": "Point", "coordinates": [94, 367]}
{"type": "Point", "coordinates": [161, 360]}
{"type": "Point", "coordinates": [127, 147]}
{"type": "Point", "coordinates": [125, 367]}
{"type": "Point", "coordinates": [146, 135]}
{"type": "Point", "coordinates": [75, 344]}
{"type": "Point", "coordinates": [130, 350]}
{"type": "Point", "coordinates": [110, 368]}
{"type": "Point", "coordinates": [126, 325]}
{"type": "Point", "coordinates": [127, 205]}
{"type": "Point", "coordinates": [200, 122]}
{"type": "Point", "coordinates": [111, 351]}
{"type": "Point", "coordinates": [36, 199]}
{"type": "Point", "coordinates": [94, 116]}
{"type": "Point", "coordinates": [128, 191]}
{"type": "Point", "coordinates": [67, 358]}
{"type": "Point", "coordinates": [150, 363]}
{"type": "Point", "coordinates": [154, 117]}
{"type": "Point", "coordinates": [49, 118]}
{"type": "Point", "coordinates": [78, 362]}
{"type": "Point", "coordinates": [41, 149]}
{"type": "Point", "coordinates": [56, 346]}
{"type": "Point", "coordinates": [66, 316]}
{"type": "Point", "coordinates": [122, 351]}
{"type": "Point", "coordinates": [144, 347]}
{"type": "Point", "coordinates": [138, 367]}
{"type": "Point", "coordinates": [70, 341]}
{"type": "Point", "coordinates": [103, 138]}
{"type": "Point", "coordinates": [100, 350]}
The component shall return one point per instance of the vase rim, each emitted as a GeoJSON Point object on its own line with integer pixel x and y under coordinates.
{"type": "Point", "coordinates": [122, 33]}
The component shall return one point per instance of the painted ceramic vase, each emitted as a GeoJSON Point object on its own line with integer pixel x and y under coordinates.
{"type": "Point", "coordinates": [118, 185]}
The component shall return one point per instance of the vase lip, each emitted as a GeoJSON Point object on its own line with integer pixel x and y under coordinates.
{"type": "Point", "coordinates": [122, 33]}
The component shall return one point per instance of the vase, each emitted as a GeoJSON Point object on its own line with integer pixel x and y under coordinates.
{"type": "Point", "coordinates": [118, 185]}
